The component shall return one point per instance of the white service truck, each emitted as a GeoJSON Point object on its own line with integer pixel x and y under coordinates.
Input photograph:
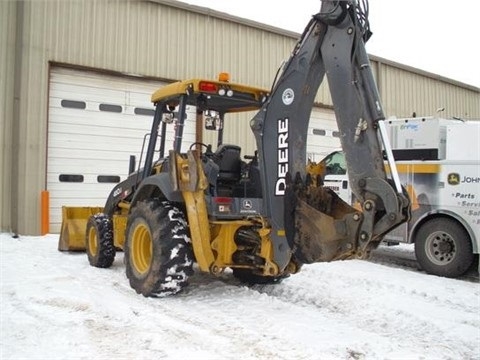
{"type": "Point", "coordinates": [438, 161]}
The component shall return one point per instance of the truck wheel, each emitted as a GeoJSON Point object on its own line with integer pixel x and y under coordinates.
{"type": "Point", "coordinates": [248, 277]}
{"type": "Point", "coordinates": [443, 248]}
{"type": "Point", "coordinates": [158, 252]}
{"type": "Point", "coordinates": [99, 241]}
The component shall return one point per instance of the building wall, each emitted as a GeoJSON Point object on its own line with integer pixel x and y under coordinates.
{"type": "Point", "coordinates": [406, 90]}
{"type": "Point", "coordinates": [161, 39]}
{"type": "Point", "coordinates": [7, 61]}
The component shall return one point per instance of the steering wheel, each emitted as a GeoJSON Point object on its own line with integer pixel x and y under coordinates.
{"type": "Point", "coordinates": [208, 148]}
{"type": "Point", "coordinates": [337, 169]}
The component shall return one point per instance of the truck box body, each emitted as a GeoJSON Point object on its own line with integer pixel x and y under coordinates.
{"type": "Point", "coordinates": [441, 187]}
{"type": "Point", "coordinates": [438, 161]}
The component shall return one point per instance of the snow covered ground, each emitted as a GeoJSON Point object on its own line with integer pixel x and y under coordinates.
{"type": "Point", "coordinates": [55, 306]}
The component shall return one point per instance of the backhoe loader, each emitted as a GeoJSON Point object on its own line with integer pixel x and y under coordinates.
{"type": "Point", "coordinates": [266, 215]}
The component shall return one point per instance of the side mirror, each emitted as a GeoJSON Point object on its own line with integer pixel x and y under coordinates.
{"type": "Point", "coordinates": [213, 121]}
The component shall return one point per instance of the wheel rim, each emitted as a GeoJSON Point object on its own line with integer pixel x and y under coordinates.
{"type": "Point", "coordinates": [92, 241]}
{"type": "Point", "coordinates": [440, 248]}
{"type": "Point", "coordinates": [141, 249]}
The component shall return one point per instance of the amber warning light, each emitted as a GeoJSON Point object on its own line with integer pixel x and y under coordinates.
{"type": "Point", "coordinates": [224, 76]}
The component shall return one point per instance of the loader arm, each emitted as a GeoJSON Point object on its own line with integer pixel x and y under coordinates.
{"type": "Point", "coordinates": [308, 221]}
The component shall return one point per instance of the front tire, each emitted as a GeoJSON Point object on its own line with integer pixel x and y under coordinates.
{"type": "Point", "coordinates": [99, 241]}
{"type": "Point", "coordinates": [443, 248]}
{"type": "Point", "coordinates": [158, 253]}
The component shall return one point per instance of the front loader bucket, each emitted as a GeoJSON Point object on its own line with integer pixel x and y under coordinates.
{"type": "Point", "coordinates": [74, 225]}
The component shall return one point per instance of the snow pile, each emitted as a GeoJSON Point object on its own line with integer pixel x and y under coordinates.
{"type": "Point", "coordinates": [55, 306]}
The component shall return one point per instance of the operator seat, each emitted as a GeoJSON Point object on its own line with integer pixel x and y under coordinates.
{"type": "Point", "coordinates": [228, 159]}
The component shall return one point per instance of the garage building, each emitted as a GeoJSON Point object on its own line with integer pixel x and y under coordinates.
{"type": "Point", "coordinates": [76, 79]}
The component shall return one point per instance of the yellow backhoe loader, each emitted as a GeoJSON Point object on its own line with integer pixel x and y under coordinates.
{"type": "Point", "coordinates": [264, 215]}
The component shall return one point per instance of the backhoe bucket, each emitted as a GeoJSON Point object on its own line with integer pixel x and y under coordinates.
{"type": "Point", "coordinates": [323, 226]}
{"type": "Point", "coordinates": [74, 225]}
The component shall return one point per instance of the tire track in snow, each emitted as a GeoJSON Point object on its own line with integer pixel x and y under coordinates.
{"type": "Point", "coordinates": [334, 297]}
{"type": "Point", "coordinates": [198, 318]}
{"type": "Point", "coordinates": [403, 257]}
{"type": "Point", "coordinates": [325, 296]}
{"type": "Point", "coordinates": [238, 324]}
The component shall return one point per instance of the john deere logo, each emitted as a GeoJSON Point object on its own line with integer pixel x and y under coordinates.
{"type": "Point", "coordinates": [288, 96]}
{"type": "Point", "coordinates": [247, 204]}
{"type": "Point", "coordinates": [454, 179]}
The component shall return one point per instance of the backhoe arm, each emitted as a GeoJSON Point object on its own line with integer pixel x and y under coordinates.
{"type": "Point", "coordinates": [307, 220]}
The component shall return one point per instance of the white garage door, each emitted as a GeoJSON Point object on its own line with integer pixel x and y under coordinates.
{"type": "Point", "coordinates": [95, 123]}
{"type": "Point", "coordinates": [323, 137]}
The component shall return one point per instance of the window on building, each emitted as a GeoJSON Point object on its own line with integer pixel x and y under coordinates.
{"type": "Point", "coordinates": [76, 178]}
{"type": "Point", "coordinates": [320, 132]}
{"type": "Point", "coordinates": [73, 104]}
{"type": "Point", "coordinates": [110, 108]}
{"type": "Point", "coordinates": [144, 111]}
{"type": "Point", "coordinates": [108, 178]}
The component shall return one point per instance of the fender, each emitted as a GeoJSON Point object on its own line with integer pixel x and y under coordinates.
{"type": "Point", "coordinates": [157, 183]}
{"type": "Point", "coordinates": [445, 213]}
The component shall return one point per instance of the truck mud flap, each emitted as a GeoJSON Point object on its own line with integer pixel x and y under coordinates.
{"type": "Point", "coordinates": [74, 225]}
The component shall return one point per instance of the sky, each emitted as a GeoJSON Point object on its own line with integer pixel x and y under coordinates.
{"type": "Point", "coordinates": [438, 36]}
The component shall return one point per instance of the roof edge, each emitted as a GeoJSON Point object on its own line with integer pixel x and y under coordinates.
{"type": "Point", "coordinates": [425, 73]}
{"type": "Point", "coordinates": [226, 16]}
{"type": "Point", "coordinates": [294, 35]}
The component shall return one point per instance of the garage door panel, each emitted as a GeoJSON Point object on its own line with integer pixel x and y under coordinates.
{"type": "Point", "coordinates": [87, 92]}
{"type": "Point", "coordinates": [97, 198]}
{"type": "Point", "coordinates": [113, 146]}
{"type": "Point", "coordinates": [85, 142]}
{"type": "Point", "coordinates": [118, 122]}
{"type": "Point", "coordinates": [64, 146]}
{"type": "Point", "coordinates": [119, 168]}
{"type": "Point", "coordinates": [60, 172]}
{"type": "Point", "coordinates": [92, 134]}
{"type": "Point", "coordinates": [94, 198]}
{"type": "Point", "coordinates": [89, 191]}
{"type": "Point", "coordinates": [82, 158]}
{"type": "Point", "coordinates": [104, 118]}
{"type": "Point", "coordinates": [67, 105]}
{"type": "Point", "coordinates": [77, 196]}
{"type": "Point", "coordinates": [69, 154]}
{"type": "Point", "coordinates": [323, 137]}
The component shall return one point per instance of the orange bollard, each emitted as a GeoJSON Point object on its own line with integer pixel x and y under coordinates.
{"type": "Point", "coordinates": [45, 212]}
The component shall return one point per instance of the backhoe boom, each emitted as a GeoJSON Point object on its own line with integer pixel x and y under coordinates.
{"type": "Point", "coordinates": [306, 219]}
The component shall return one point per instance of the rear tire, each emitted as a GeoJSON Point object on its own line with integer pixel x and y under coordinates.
{"type": "Point", "coordinates": [99, 241]}
{"type": "Point", "coordinates": [443, 248]}
{"type": "Point", "coordinates": [158, 252]}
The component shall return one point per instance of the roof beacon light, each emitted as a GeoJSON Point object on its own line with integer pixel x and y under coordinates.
{"type": "Point", "coordinates": [224, 77]}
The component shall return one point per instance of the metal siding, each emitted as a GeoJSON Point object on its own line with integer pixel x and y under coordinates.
{"type": "Point", "coordinates": [404, 92]}
{"type": "Point", "coordinates": [155, 39]}
{"type": "Point", "coordinates": [29, 142]}
{"type": "Point", "coordinates": [7, 64]}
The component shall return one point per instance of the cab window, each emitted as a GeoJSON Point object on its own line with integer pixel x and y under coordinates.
{"type": "Point", "coordinates": [335, 164]}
